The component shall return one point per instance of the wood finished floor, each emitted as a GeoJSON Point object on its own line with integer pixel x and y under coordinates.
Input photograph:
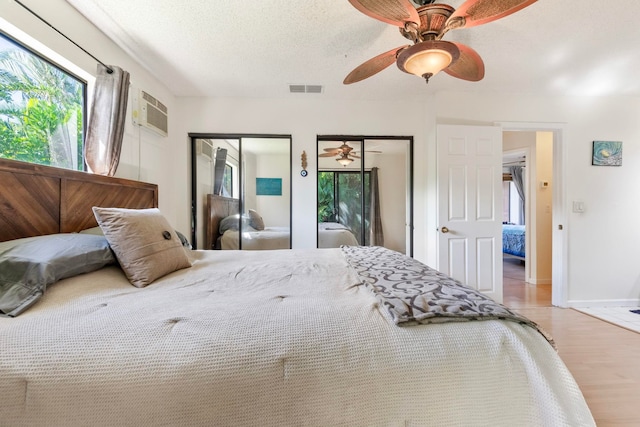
{"type": "Point", "coordinates": [603, 358]}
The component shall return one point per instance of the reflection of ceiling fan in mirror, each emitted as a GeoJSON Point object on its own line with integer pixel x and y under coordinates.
{"type": "Point", "coordinates": [345, 154]}
{"type": "Point", "coordinates": [425, 26]}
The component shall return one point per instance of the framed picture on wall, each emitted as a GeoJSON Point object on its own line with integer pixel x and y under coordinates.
{"type": "Point", "coordinates": [268, 186]}
{"type": "Point", "coordinates": [607, 153]}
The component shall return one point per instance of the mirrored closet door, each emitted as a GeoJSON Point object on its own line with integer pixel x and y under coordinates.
{"type": "Point", "coordinates": [241, 191]}
{"type": "Point", "coordinates": [365, 192]}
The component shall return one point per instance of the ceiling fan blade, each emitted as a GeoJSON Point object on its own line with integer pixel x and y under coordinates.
{"type": "Point", "coordinates": [477, 12]}
{"type": "Point", "coordinates": [354, 156]}
{"type": "Point", "coordinates": [469, 65]}
{"type": "Point", "coordinates": [366, 151]}
{"type": "Point", "coordinates": [333, 150]}
{"type": "Point", "coordinates": [373, 66]}
{"type": "Point", "coordinates": [394, 12]}
{"type": "Point", "coordinates": [327, 155]}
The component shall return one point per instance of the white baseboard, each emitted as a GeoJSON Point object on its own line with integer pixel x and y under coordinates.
{"type": "Point", "coordinates": [539, 281]}
{"type": "Point", "coordinates": [605, 303]}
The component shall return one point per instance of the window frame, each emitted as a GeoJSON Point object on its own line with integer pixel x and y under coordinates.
{"type": "Point", "coordinates": [83, 82]}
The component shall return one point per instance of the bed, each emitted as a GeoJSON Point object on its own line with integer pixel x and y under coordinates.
{"type": "Point", "coordinates": [261, 237]}
{"type": "Point", "coordinates": [274, 338]}
{"type": "Point", "coordinates": [513, 240]}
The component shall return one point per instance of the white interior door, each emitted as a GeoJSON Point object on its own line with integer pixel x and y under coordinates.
{"type": "Point", "coordinates": [469, 206]}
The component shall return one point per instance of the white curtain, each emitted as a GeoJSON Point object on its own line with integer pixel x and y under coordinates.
{"type": "Point", "coordinates": [106, 125]}
{"type": "Point", "coordinates": [518, 180]}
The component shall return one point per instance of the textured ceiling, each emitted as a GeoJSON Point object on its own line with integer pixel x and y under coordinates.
{"type": "Point", "coordinates": [229, 48]}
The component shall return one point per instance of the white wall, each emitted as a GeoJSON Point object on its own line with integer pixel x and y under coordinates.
{"type": "Point", "coordinates": [544, 207]}
{"type": "Point", "coordinates": [601, 241]}
{"type": "Point", "coordinates": [274, 209]}
{"type": "Point", "coordinates": [392, 183]}
{"type": "Point", "coordinates": [249, 170]}
{"type": "Point", "coordinates": [145, 155]}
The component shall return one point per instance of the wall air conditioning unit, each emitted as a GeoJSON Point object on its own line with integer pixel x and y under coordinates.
{"type": "Point", "coordinates": [150, 113]}
{"type": "Point", "coordinates": [205, 149]}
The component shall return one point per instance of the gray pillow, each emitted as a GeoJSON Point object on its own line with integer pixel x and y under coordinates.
{"type": "Point", "coordinates": [232, 222]}
{"type": "Point", "coordinates": [27, 268]}
{"type": "Point", "coordinates": [183, 239]}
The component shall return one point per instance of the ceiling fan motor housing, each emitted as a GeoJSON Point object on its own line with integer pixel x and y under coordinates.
{"type": "Point", "coordinates": [433, 19]}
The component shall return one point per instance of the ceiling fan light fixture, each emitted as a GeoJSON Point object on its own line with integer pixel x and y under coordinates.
{"type": "Point", "coordinates": [344, 160]}
{"type": "Point", "coordinates": [428, 58]}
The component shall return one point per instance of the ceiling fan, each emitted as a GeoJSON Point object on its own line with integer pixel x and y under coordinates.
{"type": "Point", "coordinates": [425, 26]}
{"type": "Point", "coordinates": [344, 152]}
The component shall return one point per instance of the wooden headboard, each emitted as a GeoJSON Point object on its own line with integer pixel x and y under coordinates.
{"type": "Point", "coordinates": [218, 208]}
{"type": "Point", "coordinates": [36, 200]}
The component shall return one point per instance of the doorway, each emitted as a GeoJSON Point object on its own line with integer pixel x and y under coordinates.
{"type": "Point", "coordinates": [545, 213]}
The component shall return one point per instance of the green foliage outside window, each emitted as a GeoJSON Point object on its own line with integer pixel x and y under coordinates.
{"type": "Point", "coordinates": [41, 110]}
{"type": "Point", "coordinates": [340, 200]}
{"type": "Point", "coordinates": [326, 203]}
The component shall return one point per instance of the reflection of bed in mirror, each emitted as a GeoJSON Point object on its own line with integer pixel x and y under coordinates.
{"type": "Point", "coordinates": [252, 239]}
{"type": "Point", "coordinates": [330, 235]}
{"type": "Point", "coordinates": [228, 237]}
{"type": "Point", "coordinates": [333, 235]}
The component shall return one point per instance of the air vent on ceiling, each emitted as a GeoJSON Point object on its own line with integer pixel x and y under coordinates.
{"type": "Point", "coordinates": [305, 88]}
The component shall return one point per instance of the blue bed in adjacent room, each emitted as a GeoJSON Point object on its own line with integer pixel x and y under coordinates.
{"type": "Point", "coordinates": [513, 240]}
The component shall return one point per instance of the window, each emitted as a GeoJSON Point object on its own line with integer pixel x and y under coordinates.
{"type": "Point", "coordinates": [511, 204]}
{"type": "Point", "coordinates": [227, 180]}
{"type": "Point", "coordinates": [42, 109]}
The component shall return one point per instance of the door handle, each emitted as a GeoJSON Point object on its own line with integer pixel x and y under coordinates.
{"type": "Point", "coordinates": [444, 229]}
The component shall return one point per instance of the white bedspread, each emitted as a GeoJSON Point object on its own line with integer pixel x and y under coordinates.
{"type": "Point", "coordinates": [269, 238]}
{"type": "Point", "coordinates": [270, 338]}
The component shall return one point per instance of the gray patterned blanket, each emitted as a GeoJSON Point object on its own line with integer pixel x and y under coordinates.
{"type": "Point", "coordinates": [414, 293]}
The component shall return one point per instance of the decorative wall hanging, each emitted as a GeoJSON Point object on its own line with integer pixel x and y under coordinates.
{"type": "Point", "coordinates": [607, 153]}
{"type": "Point", "coordinates": [303, 158]}
{"type": "Point", "coordinates": [268, 186]}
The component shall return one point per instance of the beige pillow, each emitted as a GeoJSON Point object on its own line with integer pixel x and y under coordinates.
{"type": "Point", "coordinates": [146, 246]}
{"type": "Point", "coordinates": [255, 220]}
